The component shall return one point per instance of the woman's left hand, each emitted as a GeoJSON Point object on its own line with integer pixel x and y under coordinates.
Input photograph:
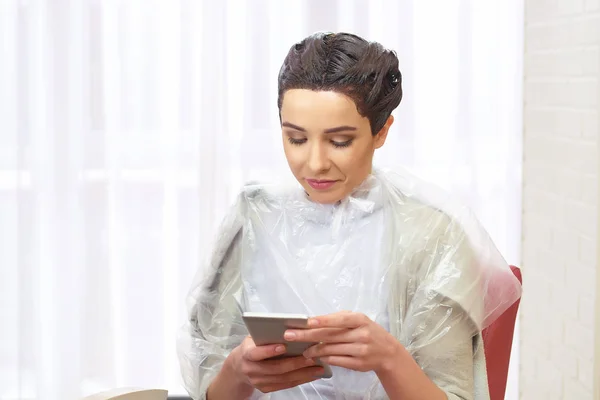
{"type": "Point", "coordinates": [349, 340]}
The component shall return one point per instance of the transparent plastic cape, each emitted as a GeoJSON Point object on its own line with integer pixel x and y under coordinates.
{"type": "Point", "coordinates": [398, 250]}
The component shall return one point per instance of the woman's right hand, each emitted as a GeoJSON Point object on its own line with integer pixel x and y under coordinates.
{"type": "Point", "coordinates": [252, 365]}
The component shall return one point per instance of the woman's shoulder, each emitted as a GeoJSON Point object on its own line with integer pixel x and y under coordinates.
{"type": "Point", "coordinates": [453, 253]}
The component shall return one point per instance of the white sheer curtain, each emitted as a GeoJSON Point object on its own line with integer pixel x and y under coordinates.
{"type": "Point", "coordinates": [126, 127]}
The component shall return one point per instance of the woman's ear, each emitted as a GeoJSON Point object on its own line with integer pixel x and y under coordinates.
{"type": "Point", "coordinates": [383, 132]}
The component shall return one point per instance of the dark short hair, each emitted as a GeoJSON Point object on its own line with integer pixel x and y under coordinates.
{"type": "Point", "coordinates": [342, 62]}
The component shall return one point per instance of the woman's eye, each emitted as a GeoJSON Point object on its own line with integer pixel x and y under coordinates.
{"type": "Point", "coordinates": [296, 142]}
{"type": "Point", "coordinates": [342, 144]}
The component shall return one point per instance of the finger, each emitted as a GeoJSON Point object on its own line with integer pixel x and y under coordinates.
{"type": "Point", "coordinates": [352, 363]}
{"type": "Point", "coordinates": [314, 335]}
{"type": "Point", "coordinates": [342, 319]}
{"type": "Point", "coordinates": [282, 366]}
{"type": "Point", "coordinates": [282, 386]}
{"type": "Point", "coordinates": [328, 335]}
{"type": "Point", "coordinates": [293, 376]}
{"type": "Point", "coordinates": [337, 349]}
{"type": "Point", "coordinates": [259, 353]}
{"type": "Point", "coordinates": [276, 367]}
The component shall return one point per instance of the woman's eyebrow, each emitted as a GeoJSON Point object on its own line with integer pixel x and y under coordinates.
{"type": "Point", "coordinates": [343, 128]}
{"type": "Point", "coordinates": [296, 127]}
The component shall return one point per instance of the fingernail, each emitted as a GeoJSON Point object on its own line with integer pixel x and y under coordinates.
{"type": "Point", "coordinates": [313, 322]}
{"type": "Point", "coordinates": [279, 349]}
{"type": "Point", "coordinates": [289, 336]}
{"type": "Point", "coordinates": [309, 361]}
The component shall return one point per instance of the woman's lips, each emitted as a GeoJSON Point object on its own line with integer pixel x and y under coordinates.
{"type": "Point", "coordinates": [319, 184]}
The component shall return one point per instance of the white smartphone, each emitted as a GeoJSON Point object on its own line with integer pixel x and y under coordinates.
{"type": "Point", "coordinates": [268, 328]}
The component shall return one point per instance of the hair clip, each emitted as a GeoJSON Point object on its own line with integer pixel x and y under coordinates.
{"type": "Point", "coordinates": [328, 35]}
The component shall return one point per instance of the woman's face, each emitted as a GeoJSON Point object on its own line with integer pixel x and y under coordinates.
{"type": "Point", "coordinates": [328, 144]}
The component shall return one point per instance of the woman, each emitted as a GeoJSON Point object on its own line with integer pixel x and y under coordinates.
{"type": "Point", "coordinates": [421, 283]}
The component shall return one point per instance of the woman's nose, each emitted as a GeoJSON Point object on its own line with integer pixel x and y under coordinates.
{"type": "Point", "coordinates": [318, 159]}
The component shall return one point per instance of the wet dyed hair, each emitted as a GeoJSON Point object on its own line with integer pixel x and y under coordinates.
{"type": "Point", "coordinates": [345, 63]}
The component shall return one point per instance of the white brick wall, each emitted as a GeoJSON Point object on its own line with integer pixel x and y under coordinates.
{"type": "Point", "coordinates": [560, 204]}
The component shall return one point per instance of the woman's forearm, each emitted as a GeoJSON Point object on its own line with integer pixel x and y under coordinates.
{"type": "Point", "coordinates": [227, 386]}
{"type": "Point", "coordinates": [403, 379]}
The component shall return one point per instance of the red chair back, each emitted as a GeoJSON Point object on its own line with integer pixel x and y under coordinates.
{"type": "Point", "coordinates": [497, 343]}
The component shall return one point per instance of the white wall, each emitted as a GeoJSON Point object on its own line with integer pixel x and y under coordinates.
{"type": "Point", "coordinates": [560, 202]}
